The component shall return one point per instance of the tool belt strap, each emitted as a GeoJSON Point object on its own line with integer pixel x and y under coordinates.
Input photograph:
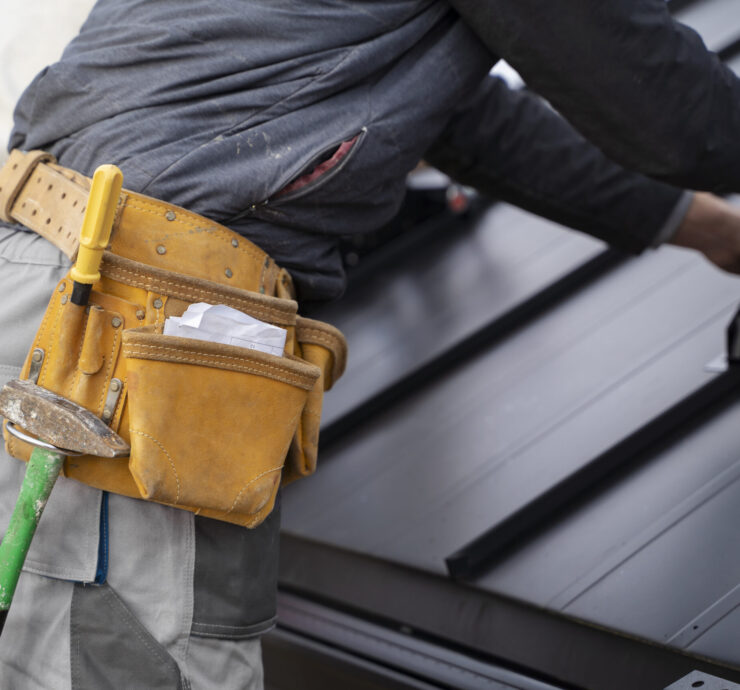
{"type": "Point", "coordinates": [51, 200]}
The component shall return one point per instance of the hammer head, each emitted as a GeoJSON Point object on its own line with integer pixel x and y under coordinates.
{"type": "Point", "coordinates": [59, 421]}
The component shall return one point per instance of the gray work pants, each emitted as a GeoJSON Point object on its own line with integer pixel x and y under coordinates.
{"type": "Point", "coordinates": [68, 627]}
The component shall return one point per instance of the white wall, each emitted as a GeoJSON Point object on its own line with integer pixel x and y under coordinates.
{"type": "Point", "coordinates": [34, 33]}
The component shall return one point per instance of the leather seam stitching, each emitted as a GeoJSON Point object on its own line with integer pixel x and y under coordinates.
{"type": "Point", "coordinates": [189, 292]}
{"type": "Point", "coordinates": [169, 457]}
{"type": "Point", "coordinates": [250, 482]}
{"type": "Point", "coordinates": [131, 351]}
{"type": "Point", "coordinates": [108, 369]}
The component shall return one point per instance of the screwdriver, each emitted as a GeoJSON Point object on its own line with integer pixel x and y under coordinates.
{"type": "Point", "coordinates": [96, 230]}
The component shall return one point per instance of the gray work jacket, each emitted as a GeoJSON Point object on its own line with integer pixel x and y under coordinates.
{"type": "Point", "coordinates": [295, 121]}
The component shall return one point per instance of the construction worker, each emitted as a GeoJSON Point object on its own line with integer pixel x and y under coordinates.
{"type": "Point", "coordinates": [292, 123]}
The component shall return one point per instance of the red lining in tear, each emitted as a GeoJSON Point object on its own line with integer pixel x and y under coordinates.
{"type": "Point", "coordinates": [321, 169]}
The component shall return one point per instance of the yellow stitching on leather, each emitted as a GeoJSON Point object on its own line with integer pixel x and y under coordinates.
{"type": "Point", "coordinates": [104, 389]}
{"type": "Point", "coordinates": [243, 370]}
{"type": "Point", "coordinates": [185, 291]}
{"type": "Point", "coordinates": [169, 457]}
{"type": "Point", "coordinates": [113, 263]}
{"type": "Point", "coordinates": [321, 332]}
{"type": "Point", "coordinates": [130, 350]}
{"type": "Point", "coordinates": [115, 421]}
{"type": "Point", "coordinates": [75, 379]}
{"type": "Point", "coordinates": [301, 383]}
{"type": "Point", "coordinates": [252, 481]}
{"type": "Point", "coordinates": [318, 339]}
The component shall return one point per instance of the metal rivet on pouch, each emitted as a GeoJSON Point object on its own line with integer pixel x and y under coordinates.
{"type": "Point", "coordinates": [114, 393]}
{"type": "Point", "coordinates": [140, 314]}
{"type": "Point", "coordinates": [64, 299]}
{"type": "Point", "coordinates": [229, 273]}
{"type": "Point", "coordinates": [62, 287]}
{"type": "Point", "coordinates": [157, 303]}
{"type": "Point", "coordinates": [170, 215]}
{"type": "Point", "coordinates": [37, 360]}
{"type": "Point", "coordinates": [161, 249]}
{"type": "Point", "coordinates": [116, 322]}
{"type": "Point", "coordinates": [234, 243]}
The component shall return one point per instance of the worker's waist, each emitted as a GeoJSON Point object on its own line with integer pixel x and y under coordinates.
{"type": "Point", "coordinates": [40, 194]}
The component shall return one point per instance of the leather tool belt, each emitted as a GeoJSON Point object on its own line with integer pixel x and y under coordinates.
{"type": "Point", "coordinates": [213, 428]}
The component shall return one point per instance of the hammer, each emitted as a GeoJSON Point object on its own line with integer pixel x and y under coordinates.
{"type": "Point", "coordinates": [59, 427]}
{"type": "Point", "coordinates": [62, 428]}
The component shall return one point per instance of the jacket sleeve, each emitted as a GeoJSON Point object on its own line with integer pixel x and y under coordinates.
{"type": "Point", "coordinates": [638, 84]}
{"type": "Point", "coordinates": [511, 145]}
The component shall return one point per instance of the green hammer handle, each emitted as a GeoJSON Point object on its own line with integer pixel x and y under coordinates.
{"type": "Point", "coordinates": [41, 474]}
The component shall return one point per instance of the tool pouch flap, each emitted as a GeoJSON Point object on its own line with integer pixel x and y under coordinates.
{"type": "Point", "coordinates": [210, 424]}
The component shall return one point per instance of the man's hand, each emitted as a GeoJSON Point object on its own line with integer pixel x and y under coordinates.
{"type": "Point", "coordinates": [712, 226]}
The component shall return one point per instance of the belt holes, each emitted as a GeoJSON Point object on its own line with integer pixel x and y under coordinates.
{"type": "Point", "coordinates": [23, 205]}
{"type": "Point", "coordinates": [82, 210]}
{"type": "Point", "coordinates": [59, 229]}
{"type": "Point", "coordinates": [33, 213]}
{"type": "Point", "coordinates": [64, 195]}
{"type": "Point", "coordinates": [48, 221]}
{"type": "Point", "coordinates": [74, 203]}
{"type": "Point", "coordinates": [68, 234]}
{"type": "Point", "coordinates": [15, 166]}
{"type": "Point", "coordinates": [50, 187]}
{"type": "Point", "coordinates": [38, 180]}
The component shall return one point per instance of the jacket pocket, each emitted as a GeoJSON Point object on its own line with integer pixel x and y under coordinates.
{"type": "Point", "coordinates": [321, 169]}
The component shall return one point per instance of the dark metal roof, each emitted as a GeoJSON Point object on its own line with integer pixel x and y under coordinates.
{"type": "Point", "coordinates": [529, 461]}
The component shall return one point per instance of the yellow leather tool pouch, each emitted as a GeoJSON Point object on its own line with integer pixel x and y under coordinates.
{"type": "Point", "coordinates": [212, 428]}
{"type": "Point", "coordinates": [221, 446]}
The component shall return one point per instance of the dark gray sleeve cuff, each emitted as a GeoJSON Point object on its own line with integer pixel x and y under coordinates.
{"type": "Point", "coordinates": [674, 220]}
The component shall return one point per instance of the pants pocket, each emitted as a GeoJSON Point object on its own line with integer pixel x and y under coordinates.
{"type": "Point", "coordinates": [111, 649]}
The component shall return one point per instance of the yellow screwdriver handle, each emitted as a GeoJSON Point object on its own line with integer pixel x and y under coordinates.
{"type": "Point", "coordinates": [97, 223]}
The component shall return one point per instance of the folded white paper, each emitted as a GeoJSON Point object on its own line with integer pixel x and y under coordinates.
{"type": "Point", "coordinates": [221, 324]}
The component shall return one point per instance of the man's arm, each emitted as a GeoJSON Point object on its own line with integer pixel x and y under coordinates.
{"type": "Point", "coordinates": [635, 82]}
{"type": "Point", "coordinates": [510, 145]}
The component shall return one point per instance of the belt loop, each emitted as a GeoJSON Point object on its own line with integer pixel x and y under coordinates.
{"type": "Point", "coordinates": [15, 174]}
